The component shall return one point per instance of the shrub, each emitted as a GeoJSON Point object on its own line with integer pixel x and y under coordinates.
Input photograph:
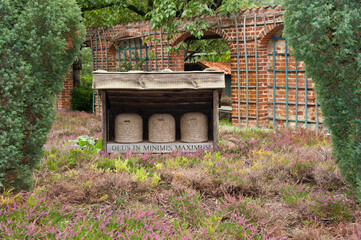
{"type": "Point", "coordinates": [106, 163]}
{"type": "Point", "coordinates": [39, 40]}
{"type": "Point", "coordinates": [186, 205]}
{"type": "Point", "coordinates": [226, 101]}
{"type": "Point", "coordinates": [326, 36]}
{"type": "Point", "coordinates": [155, 179]}
{"type": "Point", "coordinates": [88, 144]}
{"type": "Point", "coordinates": [333, 207]}
{"type": "Point", "coordinates": [140, 175]}
{"type": "Point", "coordinates": [122, 166]}
{"type": "Point", "coordinates": [82, 97]}
{"type": "Point", "coordinates": [293, 194]}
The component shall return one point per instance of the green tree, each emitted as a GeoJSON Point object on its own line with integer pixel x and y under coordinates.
{"type": "Point", "coordinates": [166, 14]}
{"type": "Point", "coordinates": [38, 42]}
{"type": "Point", "coordinates": [110, 12]}
{"type": "Point", "coordinates": [170, 14]}
{"type": "Point", "coordinates": [326, 35]}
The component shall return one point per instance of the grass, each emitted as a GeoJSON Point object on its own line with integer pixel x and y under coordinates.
{"type": "Point", "coordinates": [258, 184]}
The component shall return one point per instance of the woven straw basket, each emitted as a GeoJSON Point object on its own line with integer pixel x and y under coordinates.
{"type": "Point", "coordinates": [194, 127]}
{"type": "Point", "coordinates": [128, 128]}
{"type": "Point", "coordinates": [161, 128]}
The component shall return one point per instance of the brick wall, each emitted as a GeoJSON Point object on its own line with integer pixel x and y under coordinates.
{"type": "Point", "coordinates": [249, 36]}
{"type": "Point", "coordinates": [63, 99]}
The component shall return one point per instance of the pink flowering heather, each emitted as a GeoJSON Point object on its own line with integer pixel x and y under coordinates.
{"type": "Point", "coordinates": [257, 184]}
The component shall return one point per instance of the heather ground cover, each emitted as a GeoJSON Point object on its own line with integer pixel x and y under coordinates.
{"type": "Point", "coordinates": [258, 184]}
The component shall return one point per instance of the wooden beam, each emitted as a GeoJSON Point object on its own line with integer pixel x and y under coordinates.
{"type": "Point", "coordinates": [162, 105]}
{"type": "Point", "coordinates": [159, 93]}
{"type": "Point", "coordinates": [159, 99]}
{"type": "Point", "coordinates": [105, 129]}
{"type": "Point", "coordinates": [158, 81]}
{"type": "Point", "coordinates": [215, 117]}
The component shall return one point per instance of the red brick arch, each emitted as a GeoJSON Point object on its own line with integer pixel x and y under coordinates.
{"type": "Point", "coordinates": [125, 34]}
{"type": "Point", "coordinates": [266, 35]}
{"type": "Point", "coordinates": [183, 36]}
{"type": "Point", "coordinates": [178, 57]}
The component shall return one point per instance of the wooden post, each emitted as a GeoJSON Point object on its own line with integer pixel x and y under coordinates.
{"type": "Point", "coordinates": [103, 95]}
{"type": "Point", "coordinates": [215, 117]}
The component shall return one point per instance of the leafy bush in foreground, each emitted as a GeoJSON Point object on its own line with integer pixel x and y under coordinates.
{"type": "Point", "coordinates": [326, 36]}
{"type": "Point", "coordinates": [38, 42]}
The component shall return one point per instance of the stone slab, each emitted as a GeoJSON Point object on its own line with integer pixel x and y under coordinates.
{"type": "Point", "coordinates": [143, 147]}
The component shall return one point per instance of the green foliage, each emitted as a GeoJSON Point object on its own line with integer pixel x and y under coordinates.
{"type": "Point", "coordinates": [140, 175]}
{"type": "Point", "coordinates": [231, 192]}
{"type": "Point", "coordinates": [215, 50]}
{"type": "Point", "coordinates": [166, 14]}
{"type": "Point", "coordinates": [56, 160]}
{"type": "Point", "coordinates": [155, 179]}
{"type": "Point", "coordinates": [106, 163]}
{"type": "Point", "coordinates": [247, 207]}
{"type": "Point", "coordinates": [333, 207]}
{"type": "Point", "coordinates": [226, 101]}
{"type": "Point", "coordinates": [225, 122]}
{"type": "Point", "coordinates": [109, 12]}
{"type": "Point", "coordinates": [176, 16]}
{"type": "Point", "coordinates": [122, 166]}
{"type": "Point", "coordinates": [326, 36]}
{"type": "Point", "coordinates": [293, 194]}
{"type": "Point", "coordinates": [89, 144]}
{"type": "Point", "coordinates": [185, 162]}
{"type": "Point", "coordinates": [39, 40]}
{"type": "Point", "coordinates": [82, 97]}
{"type": "Point", "coordinates": [87, 64]}
{"type": "Point", "coordinates": [110, 16]}
{"type": "Point", "coordinates": [176, 162]}
{"type": "Point", "coordinates": [186, 206]}
{"type": "Point", "coordinates": [230, 6]}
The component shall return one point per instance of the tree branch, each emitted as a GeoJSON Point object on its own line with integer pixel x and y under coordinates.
{"type": "Point", "coordinates": [91, 8]}
{"type": "Point", "coordinates": [136, 10]}
{"type": "Point", "coordinates": [129, 6]}
{"type": "Point", "coordinates": [150, 4]}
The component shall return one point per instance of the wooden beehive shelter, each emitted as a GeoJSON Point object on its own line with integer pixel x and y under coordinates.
{"type": "Point", "coordinates": [157, 94]}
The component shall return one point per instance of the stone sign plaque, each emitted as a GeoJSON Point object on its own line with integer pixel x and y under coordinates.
{"type": "Point", "coordinates": [158, 148]}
